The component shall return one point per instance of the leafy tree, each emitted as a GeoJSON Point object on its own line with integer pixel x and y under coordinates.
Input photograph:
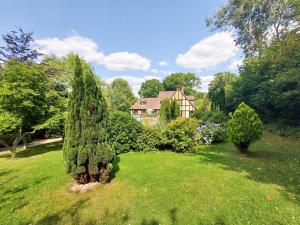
{"type": "Point", "coordinates": [18, 46]}
{"type": "Point", "coordinates": [123, 131]}
{"type": "Point", "coordinates": [120, 95]}
{"type": "Point", "coordinates": [59, 72]}
{"type": "Point", "coordinates": [257, 23]}
{"type": "Point", "coordinates": [151, 88]}
{"type": "Point", "coordinates": [269, 83]}
{"type": "Point", "coordinates": [87, 153]}
{"type": "Point", "coordinates": [218, 88]}
{"type": "Point", "coordinates": [189, 81]}
{"type": "Point", "coordinates": [244, 127]}
{"type": "Point", "coordinates": [23, 89]}
{"type": "Point", "coordinates": [169, 110]}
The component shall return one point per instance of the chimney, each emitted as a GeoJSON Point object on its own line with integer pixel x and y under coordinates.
{"type": "Point", "coordinates": [182, 89]}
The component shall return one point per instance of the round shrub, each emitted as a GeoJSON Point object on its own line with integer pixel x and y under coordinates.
{"type": "Point", "coordinates": [244, 127]}
{"type": "Point", "coordinates": [179, 134]}
{"type": "Point", "coordinates": [123, 131]}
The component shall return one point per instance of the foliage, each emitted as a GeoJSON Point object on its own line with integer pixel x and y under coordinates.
{"type": "Point", "coordinates": [214, 116]}
{"type": "Point", "coordinates": [219, 88]}
{"type": "Point", "coordinates": [150, 88]}
{"type": "Point", "coordinates": [189, 81]}
{"type": "Point", "coordinates": [169, 110]}
{"type": "Point", "coordinates": [150, 139]}
{"type": "Point", "coordinates": [120, 95]}
{"type": "Point", "coordinates": [244, 127]}
{"type": "Point", "coordinates": [59, 72]}
{"type": "Point", "coordinates": [8, 122]}
{"type": "Point", "coordinates": [23, 90]}
{"type": "Point", "coordinates": [179, 134]}
{"type": "Point", "coordinates": [257, 23]}
{"type": "Point", "coordinates": [18, 46]}
{"type": "Point", "coordinates": [270, 83]}
{"type": "Point", "coordinates": [210, 133]}
{"type": "Point", "coordinates": [123, 131]}
{"type": "Point", "coordinates": [203, 104]}
{"type": "Point", "coordinates": [87, 154]}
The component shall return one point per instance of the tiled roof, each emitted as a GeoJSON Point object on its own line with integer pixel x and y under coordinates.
{"type": "Point", "coordinates": [191, 98]}
{"type": "Point", "coordinates": [165, 94]}
{"type": "Point", "coordinates": [151, 103]}
{"type": "Point", "coordinates": [154, 103]}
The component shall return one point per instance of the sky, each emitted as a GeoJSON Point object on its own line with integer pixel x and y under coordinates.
{"type": "Point", "coordinates": [134, 39]}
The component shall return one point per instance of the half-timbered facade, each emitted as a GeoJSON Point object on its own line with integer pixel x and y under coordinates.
{"type": "Point", "coordinates": [151, 106]}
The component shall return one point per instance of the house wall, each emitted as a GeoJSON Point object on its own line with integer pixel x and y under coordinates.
{"type": "Point", "coordinates": [186, 108]}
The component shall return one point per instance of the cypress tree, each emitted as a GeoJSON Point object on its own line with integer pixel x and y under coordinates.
{"type": "Point", "coordinates": [88, 156]}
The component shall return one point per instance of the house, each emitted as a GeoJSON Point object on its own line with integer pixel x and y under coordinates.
{"type": "Point", "coordinates": [151, 106]}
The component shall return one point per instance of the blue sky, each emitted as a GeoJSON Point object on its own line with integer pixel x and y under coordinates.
{"type": "Point", "coordinates": [134, 39]}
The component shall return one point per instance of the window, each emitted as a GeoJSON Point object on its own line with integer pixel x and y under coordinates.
{"type": "Point", "coordinates": [143, 102]}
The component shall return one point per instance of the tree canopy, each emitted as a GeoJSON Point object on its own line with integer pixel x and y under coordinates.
{"type": "Point", "coordinates": [256, 23]}
{"type": "Point", "coordinates": [150, 88]}
{"type": "Point", "coordinates": [219, 87]}
{"type": "Point", "coordinates": [18, 46]}
{"type": "Point", "coordinates": [189, 81]}
{"type": "Point", "coordinates": [120, 95]}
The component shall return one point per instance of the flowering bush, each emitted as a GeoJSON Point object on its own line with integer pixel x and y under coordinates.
{"type": "Point", "coordinates": [210, 133]}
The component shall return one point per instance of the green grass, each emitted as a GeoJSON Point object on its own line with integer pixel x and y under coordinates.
{"type": "Point", "coordinates": [215, 186]}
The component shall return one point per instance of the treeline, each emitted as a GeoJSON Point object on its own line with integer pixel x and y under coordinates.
{"type": "Point", "coordinates": [269, 79]}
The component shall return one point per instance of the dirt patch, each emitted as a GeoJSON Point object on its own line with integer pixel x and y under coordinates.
{"type": "Point", "coordinates": [81, 188]}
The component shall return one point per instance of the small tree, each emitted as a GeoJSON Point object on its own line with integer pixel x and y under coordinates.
{"type": "Point", "coordinates": [169, 110]}
{"type": "Point", "coordinates": [87, 153]}
{"type": "Point", "coordinates": [244, 127]}
{"type": "Point", "coordinates": [18, 46]}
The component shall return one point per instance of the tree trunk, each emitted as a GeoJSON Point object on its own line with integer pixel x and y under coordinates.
{"type": "Point", "coordinates": [25, 142]}
{"type": "Point", "coordinates": [243, 147]}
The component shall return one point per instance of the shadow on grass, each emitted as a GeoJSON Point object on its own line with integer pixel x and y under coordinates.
{"type": "Point", "coordinates": [15, 196]}
{"type": "Point", "coordinates": [267, 162]}
{"type": "Point", "coordinates": [36, 150]}
{"type": "Point", "coordinates": [116, 167]}
{"type": "Point", "coordinates": [72, 213]}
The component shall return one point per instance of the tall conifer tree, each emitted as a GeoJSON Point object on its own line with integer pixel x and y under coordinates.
{"type": "Point", "coordinates": [86, 151]}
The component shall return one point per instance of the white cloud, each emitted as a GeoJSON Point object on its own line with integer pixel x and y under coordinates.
{"type": "Point", "coordinates": [235, 64]}
{"type": "Point", "coordinates": [154, 71]}
{"type": "Point", "coordinates": [134, 81]}
{"type": "Point", "coordinates": [121, 61]}
{"type": "Point", "coordinates": [205, 82]}
{"type": "Point", "coordinates": [88, 49]}
{"type": "Point", "coordinates": [209, 52]}
{"type": "Point", "coordinates": [163, 63]}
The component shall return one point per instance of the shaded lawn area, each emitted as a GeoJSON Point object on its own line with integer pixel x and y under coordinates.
{"type": "Point", "coordinates": [215, 186]}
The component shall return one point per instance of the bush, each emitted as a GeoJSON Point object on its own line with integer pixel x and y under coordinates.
{"type": "Point", "coordinates": [210, 133]}
{"type": "Point", "coordinates": [179, 134]}
{"type": "Point", "coordinates": [149, 140]}
{"type": "Point", "coordinates": [123, 131]}
{"type": "Point", "coordinates": [211, 116]}
{"type": "Point", "coordinates": [244, 127]}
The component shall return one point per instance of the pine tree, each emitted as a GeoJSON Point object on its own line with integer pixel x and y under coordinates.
{"type": "Point", "coordinates": [86, 151]}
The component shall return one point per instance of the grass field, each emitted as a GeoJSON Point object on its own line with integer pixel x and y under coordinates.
{"type": "Point", "coordinates": [215, 186]}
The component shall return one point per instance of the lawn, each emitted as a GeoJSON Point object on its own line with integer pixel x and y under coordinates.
{"type": "Point", "coordinates": [215, 186]}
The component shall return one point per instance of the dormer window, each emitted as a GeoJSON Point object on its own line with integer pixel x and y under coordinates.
{"type": "Point", "coordinates": [143, 102]}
